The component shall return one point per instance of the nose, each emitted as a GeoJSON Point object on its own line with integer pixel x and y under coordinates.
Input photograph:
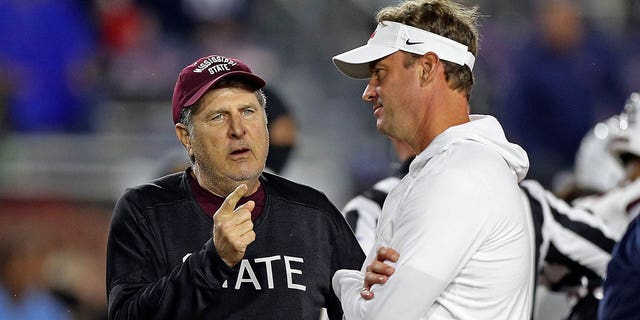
{"type": "Point", "coordinates": [236, 126]}
{"type": "Point", "coordinates": [369, 94]}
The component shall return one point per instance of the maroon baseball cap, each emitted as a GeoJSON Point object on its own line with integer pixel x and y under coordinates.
{"type": "Point", "coordinates": [196, 79]}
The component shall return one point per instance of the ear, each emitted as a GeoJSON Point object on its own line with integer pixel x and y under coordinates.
{"type": "Point", "coordinates": [183, 135]}
{"type": "Point", "coordinates": [428, 65]}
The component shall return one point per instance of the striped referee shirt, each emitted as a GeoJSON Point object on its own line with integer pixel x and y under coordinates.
{"type": "Point", "coordinates": [563, 234]}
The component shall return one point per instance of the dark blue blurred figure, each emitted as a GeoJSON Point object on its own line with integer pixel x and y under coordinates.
{"type": "Point", "coordinates": [622, 284]}
{"type": "Point", "coordinates": [46, 64]}
{"type": "Point", "coordinates": [566, 79]}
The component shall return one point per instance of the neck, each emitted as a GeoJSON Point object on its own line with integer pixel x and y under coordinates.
{"type": "Point", "coordinates": [450, 108]}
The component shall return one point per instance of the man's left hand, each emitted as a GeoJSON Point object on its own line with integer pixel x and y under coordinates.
{"type": "Point", "coordinates": [378, 272]}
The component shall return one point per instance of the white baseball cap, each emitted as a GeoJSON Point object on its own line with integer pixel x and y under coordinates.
{"type": "Point", "coordinates": [390, 37]}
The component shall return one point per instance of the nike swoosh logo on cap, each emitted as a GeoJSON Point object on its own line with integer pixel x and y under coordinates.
{"type": "Point", "coordinates": [409, 43]}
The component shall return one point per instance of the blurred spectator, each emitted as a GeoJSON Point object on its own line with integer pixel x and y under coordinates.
{"type": "Point", "coordinates": [175, 23]}
{"type": "Point", "coordinates": [47, 61]}
{"type": "Point", "coordinates": [23, 294]}
{"type": "Point", "coordinates": [567, 79]}
{"type": "Point", "coordinates": [73, 275]}
{"type": "Point", "coordinates": [595, 170]}
{"type": "Point", "coordinates": [138, 57]}
{"type": "Point", "coordinates": [631, 54]}
{"type": "Point", "coordinates": [215, 10]}
{"type": "Point", "coordinates": [226, 29]}
{"type": "Point", "coordinates": [283, 131]}
{"type": "Point", "coordinates": [121, 24]}
{"type": "Point", "coordinates": [619, 205]}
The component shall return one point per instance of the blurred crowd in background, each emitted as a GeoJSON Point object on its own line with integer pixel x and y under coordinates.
{"type": "Point", "coordinates": [85, 91]}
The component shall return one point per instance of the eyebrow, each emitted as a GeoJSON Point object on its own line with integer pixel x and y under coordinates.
{"type": "Point", "coordinates": [230, 108]}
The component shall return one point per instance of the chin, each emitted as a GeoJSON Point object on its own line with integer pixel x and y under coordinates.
{"type": "Point", "coordinates": [382, 129]}
{"type": "Point", "coordinates": [249, 174]}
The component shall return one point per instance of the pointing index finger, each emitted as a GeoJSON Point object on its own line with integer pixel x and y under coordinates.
{"type": "Point", "coordinates": [232, 199]}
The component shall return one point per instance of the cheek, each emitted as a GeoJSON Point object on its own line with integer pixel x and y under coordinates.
{"type": "Point", "coordinates": [260, 133]}
{"type": "Point", "coordinates": [211, 146]}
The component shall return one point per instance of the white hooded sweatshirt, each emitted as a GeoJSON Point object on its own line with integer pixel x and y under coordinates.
{"type": "Point", "coordinates": [459, 223]}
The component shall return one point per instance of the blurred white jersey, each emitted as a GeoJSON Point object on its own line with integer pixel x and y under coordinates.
{"type": "Point", "coordinates": [617, 207]}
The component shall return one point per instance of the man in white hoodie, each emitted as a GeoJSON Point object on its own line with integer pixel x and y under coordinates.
{"type": "Point", "coordinates": [457, 217]}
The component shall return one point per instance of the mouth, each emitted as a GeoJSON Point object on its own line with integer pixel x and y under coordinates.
{"type": "Point", "coordinates": [240, 152]}
{"type": "Point", "coordinates": [377, 109]}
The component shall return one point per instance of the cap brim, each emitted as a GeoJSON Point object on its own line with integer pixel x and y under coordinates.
{"type": "Point", "coordinates": [250, 77]}
{"type": "Point", "coordinates": [355, 63]}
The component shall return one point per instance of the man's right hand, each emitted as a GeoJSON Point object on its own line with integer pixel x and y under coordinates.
{"type": "Point", "coordinates": [233, 229]}
{"type": "Point", "coordinates": [378, 272]}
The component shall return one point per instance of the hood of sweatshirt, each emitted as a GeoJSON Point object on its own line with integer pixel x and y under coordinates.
{"type": "Point", "coordinates": [483, 129]}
